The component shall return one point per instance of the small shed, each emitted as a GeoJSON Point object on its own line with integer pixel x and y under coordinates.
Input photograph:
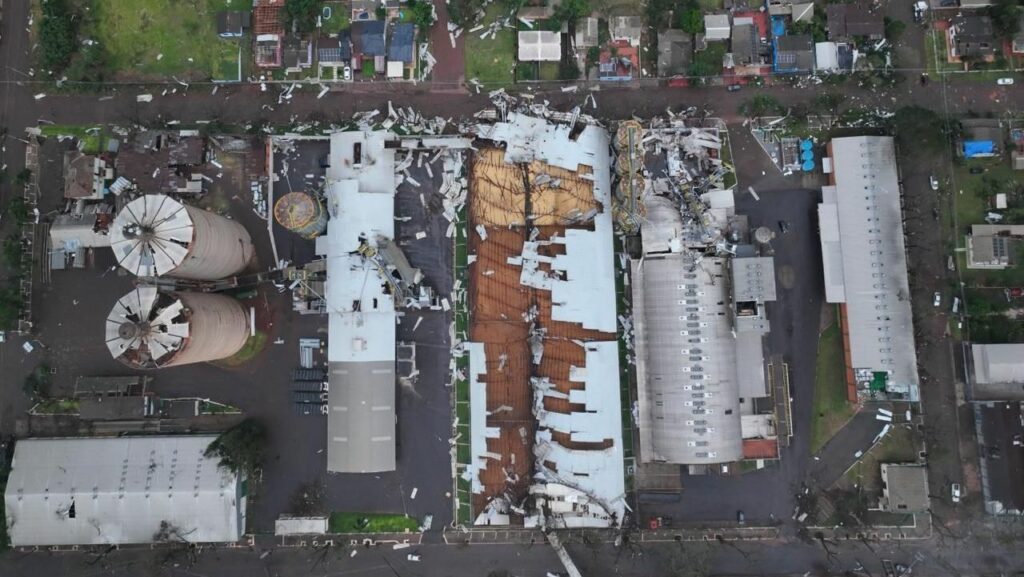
{"type": "Point", "coordinates": [717, 27]}
{"type": "Point", "coordinates": [233, 23]}
{"type": "Point", "coordinates": [540, 46]}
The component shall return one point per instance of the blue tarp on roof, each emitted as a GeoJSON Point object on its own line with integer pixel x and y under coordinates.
{"type": "Point", "coordinates": [400, 48]}
{"type": "Point", "coordinates": [979, 148]}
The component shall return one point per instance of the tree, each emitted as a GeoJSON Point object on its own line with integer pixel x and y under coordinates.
{"type": "Point", "coordinates": [919, 130]}
{"type": "Point", "coordinates": [463, 12]}
{"type": "Point", "coordinates": [762, 105]}
{"type": "Point", "coordinates": [690, 19]}
{"type": "Point", "coordinates": [829, 103]}
{"type": "Point", "coordinates": [57, 35]}
{"type": "Point", "coordinates": [300, 15]}
{"type": "Point", "coordinates": [1005, 15]}
{"type": "Point", "coordinates": [241, 447]}
{"type": "Point", "coordinates": [422, 13]}
{"type": "Point", "coordinates": [894, 28]}
{"type": "Point", "coordinates": [571, 10]}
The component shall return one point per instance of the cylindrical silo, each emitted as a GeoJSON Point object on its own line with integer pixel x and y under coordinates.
{"type": "Point", "coordinates": [155, 235]}
{"type": "Point", "coordinates": [301, 213]}
{"type": "Point", "coordinates": [149, 329]}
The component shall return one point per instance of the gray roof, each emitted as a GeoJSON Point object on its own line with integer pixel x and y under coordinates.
{"type": "Point", "coordinates": [905, 488]}
{"type": "Point", "coordinates": [753, 279]}
{"type": "Point", "coordinates": [795, 53]}
{"type": "Point", "coordinates": [112, 408]}
{"type": "Point", "coordinates": [368, 37]}
{"type": "Point", "coordinates": [400, 47]}
{"type": "Point", "coordinates": [675, 48]}
{"type": "Point", "coordinates": [848, 20]}
{"type": "Point", "coordinates": [335, 50]}
{"type": "Point", "coordinates": [744, 44]}
{"type": "Point", "coordinates": [361, 421]}
{"type": "Point", "coordinates": [689, 409]}
{"type": "Point", "coordinates": [865, 259]}
{"type": "Point", "coordinates": [233, 21]}
{"type": "Point", "coordinates": [120, 490]}
{"type": "Point", "coordinates": [998, 372]}
{"type": "Point", "coordinates": [999, 425]}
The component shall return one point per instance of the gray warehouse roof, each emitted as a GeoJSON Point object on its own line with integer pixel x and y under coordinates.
{"type": "Point", "coordinates": [686, 364]}
{"type": "Point", "coordinates": [93, 491]}
{"type": "Point", "coordinates": [998, 372]}
{"type": "Point", "coordinates": [865, 259]}
{"type": "Point", "coordinates": [905, 488]}
{"type": "Point", "coordinates": [753, 279]}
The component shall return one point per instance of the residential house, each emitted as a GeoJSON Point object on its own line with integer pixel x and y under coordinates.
{"type": "Point", "coordinates": [972, 37]}
{"type": "Point", "coordinates": [85, 176]}
{"type": "Point", "coordinates": [982, 137]}
{"type": "Point", "coordinates": [401, 50]}
{"type": "Point", "coordinates": [716, 27]}
{"type": "Point", "coordinates": [586, 33]}
{"type": "Point", "coordinates": [797, 11]}
{"type": "Point", "coordinates": [335, 52]}
{"type": "Point", "coordinates": [745, 46]}
{"type": "Point", "coordinates": [975, 4]}
{"type": "Point", "coordinates": [540, 46]}
{"type": "Point", "coordinates": [994, 246]}
{"type": "Point", "coordinates": [619, 62]}
{"type": "Point", "coordinates": [368, 45]}
{"type": "Point", "coordinates": [269, 32]}
{"type": "Point", "coordinates": [849, 21]}
{"type": "Point", "coordinates": [904, 488]}
{"type": "Point", "coordinates": [794, 54]}
{"type": "Point", "coordinates": [628, 28]}
{"type": "Point", "coordinates": [297, 54]}
{"type": "Point", "coordinates": [233, 23]}
{"type": "Point", "coordinates": [675, 51]}
{"type": "Point", "coordinates": [834, 57]}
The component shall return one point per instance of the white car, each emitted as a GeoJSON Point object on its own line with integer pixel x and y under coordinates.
{"type": "Point", "coordinates": [938, 299]}
{"type": "Point", "coordinates": [1005, 82]}
{"type": "Point", "coordinates": [346, 73]}
{"type": "Point", "coordinates": [933, 182]}
{"type": "Point", "coordinates": [955, 492]}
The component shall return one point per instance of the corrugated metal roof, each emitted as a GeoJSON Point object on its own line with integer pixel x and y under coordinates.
{"type": "Point", "coordinates": [86, 491]}
{"type": "Point", "coordinates": [400, 47]}
{"type": "Point", "coordinates": [869, 244]}
{"type": "Point", "coordinates": [540, 46]}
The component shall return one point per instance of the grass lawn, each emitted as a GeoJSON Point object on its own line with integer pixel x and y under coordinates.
{"type": "Point", "coordinates": [935, 53]}
{"type": "Point", "coordinates": [371, 523]}
{"type": "Point", "coordinates": [252, 347]}
{"type": "Point", "coordinates": [339, 19]}
{"type": "Point", "coordinates": [711, 58]}
{"type": "Point", "coordinates": [971, 207]}
{"type": "Point", "coordinates": [899, 446]}
{"type": "Point", "coordinates": [136, 32]}
{"type": "Point", "coordinates": [710, 6]}
{"type": "Point", "coordinates": [831, 409]}
{"type": "Point", "coordinates": [549, 70]}
{"type": "Point", "coordinates": [492, 61]}
{"type": "Point", "coordinates": [92, 138]}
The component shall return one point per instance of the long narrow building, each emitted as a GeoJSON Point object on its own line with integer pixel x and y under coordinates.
{"type": "Point", "coordinates": [865, 266]}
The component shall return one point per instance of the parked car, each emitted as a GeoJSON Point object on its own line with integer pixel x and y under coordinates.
{"type": "Point", "coordinates": [741, 518]}
{"type": "Point", "coordinates": [976, 170]}
{"type": "Point", "coordinates": [734, 87]}
{"type": "Point", "coordinates": [920, 8]}
{"type": "Point", "coordinates": [955, 491]}
{"type": "Point", "coordinates": [933, 182]}
{"type": "Point", "coordinates": [937, 300]}
{"type": "Point", "coordinates": [346, 73]}
{"type": "Point", "coordinates": [1005, 82]}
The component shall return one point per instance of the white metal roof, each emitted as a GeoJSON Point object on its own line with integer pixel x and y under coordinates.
{"type": "Point", "coordinates": [687, 362]}
{"type": "Point", "coordinates": [716, 27]}
{"type": "Point", "coordinates": [587, 296]}
{"type": "Point", "coordinates": [135, 310]}
{"type": "Point", "coordinates": [865, 204]}
{"type": "Point", "coordinates": [540, 46]}
{"type": "Point", "coordinates": [826, 56]}
{"type": "Point", "coordinates": [479, 432]}
{"type": "Point", "coordinates": [361, 313]}
{"type": "Point", "coordinates": [165, 249]}
{"type": "Point", "coordinates": [1003, 363]}
{"type": "Point", "coordinates": [118, 490]}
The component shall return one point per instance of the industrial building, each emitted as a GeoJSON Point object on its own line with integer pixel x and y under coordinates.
{"type": "Point", "coordinates": [121, 490]}
{"type": "Point", "coordinates": [546, 446]}
{"type": "Point", "coordinates": [155, 235]}
{"type": "Point", "coordinates": [700, 292]}
{"type": "Point", "coordinates": [904, 488]}
{"type": "Point", "coordinates": [997, 389]}
{"type": "Point", "coordinates": [998, 372]}
{"type": "Point", "coordinates": [865, 266]}
{"type": "Point", "coordinates": [150, 329]}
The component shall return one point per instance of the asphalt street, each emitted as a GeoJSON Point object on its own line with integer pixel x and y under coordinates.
{"type": "Point", "coordinates": [297, 443]}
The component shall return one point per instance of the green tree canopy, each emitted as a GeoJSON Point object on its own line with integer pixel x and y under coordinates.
{"type": "Point", "coordinates": [240, 448]}
{"type": "Point", "coordinates": [691, 20]}
{"type": "Point", "coordinates": [1005, 16]}
{"type": "Point", "coordinates": [57, 35]}
{"type": "Point", "coordinates": [301, 14]}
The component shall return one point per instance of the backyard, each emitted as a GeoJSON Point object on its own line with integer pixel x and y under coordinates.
{"type": "Point", "coordinates": [901, 445]}
{"type": "Point", "coordinates": [148, 38]}
{"type": "Point", "coordinates": [831, 409]}
{"type": "Point", "coordinates": [492, 61]}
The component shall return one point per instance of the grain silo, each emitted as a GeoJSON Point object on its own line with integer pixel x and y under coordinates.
{"type": "Point", "coordinates": [155, 235]}
{"type": "Point", "coordinates": [301, 213]}
{"type": "Point", "coordinates": [149, 329]}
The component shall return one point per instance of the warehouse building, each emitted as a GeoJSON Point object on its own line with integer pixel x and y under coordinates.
{"type": "Point", "coordinates": [865, 266]}
{"type": "Point", "coordinates": [124, 490]}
